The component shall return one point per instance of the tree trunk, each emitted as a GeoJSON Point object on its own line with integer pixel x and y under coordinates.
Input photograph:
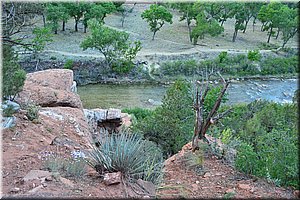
{"type": "Point", "coordinates": [76, 25]}
{"type": "Point", "coordinates": [277, 34]}
{"type": "Point", "coordinates": [262, 26]}
{"type": "Point", "coordinates": [253, 23]}
{"type": "Point", "coordinates": [234, 35]}
{"type": "Point", "coordinates": [246, 26]}
{"type": "Point", "coordinates": [44, 20]}
{"type": "Point", "coordinates": [153, 35]}
{"type": "Point", "coordinates": [84, 29]}
{"type": "Point", "coordinates": [198, 121]}
{"type": "Point", "coordinates": [55, 31]}
{"type": "Point", "coordinates": [63, 26]}
{"type": "Point", "coordinates": [270, 35]}
{"type": "Point", "coordinates": [123, 19]}
{"type": "Point", "coordinates": [222, 22]}
{"type": "Point", "coordinates": [190, 30]}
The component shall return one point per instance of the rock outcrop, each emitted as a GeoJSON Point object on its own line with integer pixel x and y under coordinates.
{"type": "Point", "coordinates": [50, 88]}
{"type": "Point", "coordinates": [106, 120]}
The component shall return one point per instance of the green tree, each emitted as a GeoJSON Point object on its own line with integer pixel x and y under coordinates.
{"type": "Point", "coordinates": [156, 16]}
{"type": "Point", "coordinates": [171, 125]}
{"type": "Point", "coordinates": [97, 11]}
{"type": "Point", "coordinates": [188, 13]}
{"type": "Point", "coordinates": [240, 18]}
{"type": "Point", "coordinates": [13, 75]}
{"type": "Point", "coordinates": [114, 45]}
{"type": "Point", "coordinates": [227, 12]}
{"type": "Point", "coordinates": [288, 23]}
{"type": "Point", "coordinates": [269, 15]}
{"type": "Point", "coordinates": [204, 26]}
{"type": "Point", "coordinates": [55, 13]}
{"type": "Point", "coordinates": [42, 36]}
{"type": "Point", "coordinates": [77, 10]}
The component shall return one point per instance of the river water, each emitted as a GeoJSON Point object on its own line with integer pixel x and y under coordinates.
{"type": "Point", "coordinates": [150, 96]}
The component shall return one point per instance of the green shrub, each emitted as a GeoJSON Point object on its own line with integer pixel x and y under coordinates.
{"type": "Point", "coordinates": [279, 66]}
{"type": "Point", "coordinates": [222, 56]}
{"type": "Point", "coordinates": [139, 113]}
{"type": "Point", "coordinates": [194, 161]}
{"type": "Point", "coordinates": [69, 167]}
{"type": "Point", "coordinates": [13, 76]}
{"type": "Point", "coordinates": [171, 125]}
{"type": "Point", "coordinates": [32, 111]}
{"type": "Point", "coordinates": [268, 132]}
{"type": "Point", "coordinates": [247, 159]}
{"type": "Point", "coordinates": [8, 111]}
{"type": "Point", "coordinates": [129, 154]}
{"type": "Point", "coordinates": [69, 64]}
{"type": "Point", "coordinates": [75, 167]}
{"type": "Point", "coordinates": [254, 55]}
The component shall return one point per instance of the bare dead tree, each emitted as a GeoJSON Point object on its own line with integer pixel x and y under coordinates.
{"type": "Point", "coordinates": [202, 124]}
{"type": "Point", "coordinates": [16, 18]}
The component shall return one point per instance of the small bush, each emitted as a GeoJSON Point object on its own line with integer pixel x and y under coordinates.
{"type": "Point", "coordinates": [222, 56]}
{"type": "Point", "coordinates": [8, 111]}
{"type": "Point", "coordinates": [139, 113]}
{"type": "Point", "coordinates": [69, 64]}
{"type": "Point", "coordinates": [129, 154]}
{"type": "Point", "coordinates": [75, 167]}
{"type": "Point", "coordinates": [194, 161]}
{"type": "Point", "coordinates": [254, 55]}
{"type": "Point", "coordinates": [32, 111]}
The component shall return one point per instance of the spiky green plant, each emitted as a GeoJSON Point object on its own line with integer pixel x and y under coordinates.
{"type": "Point", "coordinates": [129, 154]}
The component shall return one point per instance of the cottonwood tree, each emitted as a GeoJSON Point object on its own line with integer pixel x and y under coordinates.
{"type": "Point", "coordinates": [206, 116]}
{"type": "Point", "coordinates": [204, 26]}
{"type": "Point", "coordinates": [124, 12]}
{"type": "Point", "coordinates": [115, 46]}
{"type": "Point", "coordinates": [269, 15]}
{"type": "Point", "coordinates": [240, 18]}
{"type": "Point", "coordinates": [156, 16]}
{"type": "Point", "coordinates": [227, 12]}
{"type": "Point", "coordinates": [288, 23]}
{"type": "Point", "coordinates": [55, 13]}
{"type": "Point", "coordinates": [97, 11]}
{"type": "Point", "coordinates": [188, 13]}
{"type": "Point", "coordinates": [77, 10]}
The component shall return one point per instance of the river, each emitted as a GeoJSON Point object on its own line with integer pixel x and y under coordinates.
{"type": "Point", "coordinates": [150, 96]}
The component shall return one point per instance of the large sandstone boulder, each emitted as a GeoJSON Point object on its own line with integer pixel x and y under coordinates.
{"type": "Point", "coordinates": [50, 88]}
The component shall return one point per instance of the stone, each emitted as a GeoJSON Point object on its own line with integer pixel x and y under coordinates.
{"type": "Point", "coordinates": [36, 174]}
{"type": "Point", "coordinates": [49, 178]}
{"type": "Point", "coordinates": [49, 88]}
{"type": "Point", "coordinates": [207, 175]}
{"type": "Point", "coordinates": [15, 190]}
{"type": "Point", "coordinates": [230, 191]}
{"type": "Point", "coordinates": [112, 178]}
{"type": "Point", "coordinates": [66, 181]}
{"type": "Point", "coordinates": [52, 114]}
{"type": "Point", "coordinates": [15, 106]}
{"type": "Point", "coordinates": [244, 186]}
{"type": "Point", "coordinates": [297, 193]}
{"type": "Point", "coordinates": [147, 186]}
{"type": "Point", "coordinates": [8, 122]}
{"type": "Point", "coordinates": [35, 190]}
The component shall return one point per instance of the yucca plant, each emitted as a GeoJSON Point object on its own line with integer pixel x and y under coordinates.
{"type": "Point", "coordinates": [129, 154]}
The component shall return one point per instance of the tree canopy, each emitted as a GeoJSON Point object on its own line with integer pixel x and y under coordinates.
{"type": "Point", "coordinates": [156, 16]}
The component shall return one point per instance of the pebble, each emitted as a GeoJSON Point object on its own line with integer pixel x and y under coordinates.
{"type": "Point", "coordinates": [230, 191]}
{"type": "Point", "coordinates": [197, 182]}
{"type": "Point", "coordinates": [49, 178]}
{"type": "Point", "coordinates": [244, 186]}
{"type": "Point", "coordinates": [16, 189]}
